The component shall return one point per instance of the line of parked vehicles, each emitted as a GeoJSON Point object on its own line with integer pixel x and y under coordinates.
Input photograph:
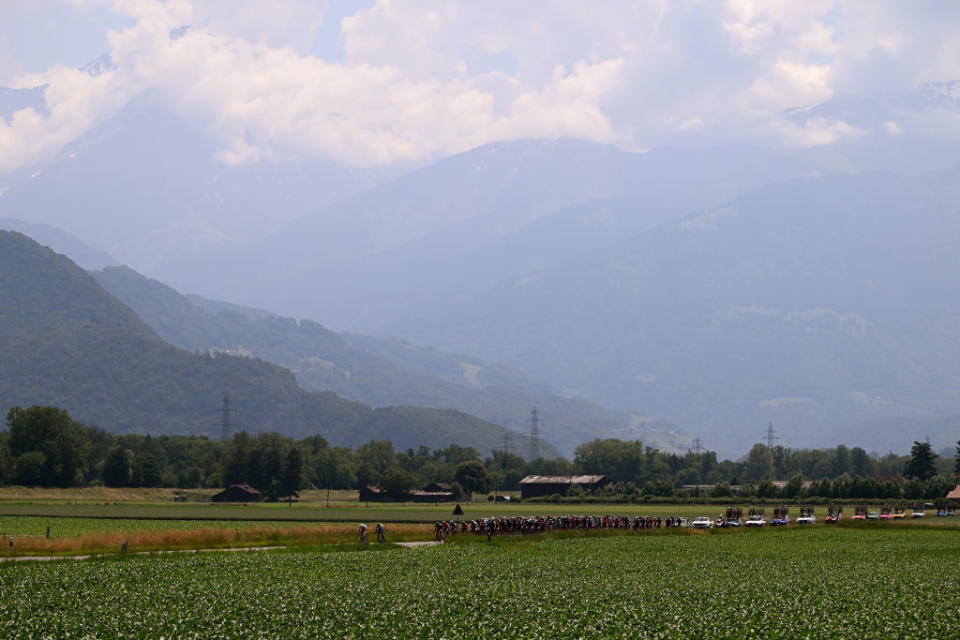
{"type": "Point", "coordinates": [733, 516]}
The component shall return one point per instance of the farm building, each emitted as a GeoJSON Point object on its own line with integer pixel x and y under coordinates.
{"type": "Point", "coordinates": [238, 493]}
{"type": "Point", "coordinates": [436, 487]}
{"type": "Point", "coordinates": [955, 494]}
{"type": "Point", "coordinates": [372, 494]}
{"type": "Point", "coordinates": [705, 489]}
{"type": "Point", "coordinates": [536, 486]}
{"type": "Point", "coordinates": [431, 496]}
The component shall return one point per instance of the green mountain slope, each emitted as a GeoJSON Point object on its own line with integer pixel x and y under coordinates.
{"type": "Point", "coordinates": [379, 372]}
{"type": "Point", "coordinates": [69, 343]}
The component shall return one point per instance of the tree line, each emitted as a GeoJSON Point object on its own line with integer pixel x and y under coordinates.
{"type": "Point", "coordinates": [44, 446]}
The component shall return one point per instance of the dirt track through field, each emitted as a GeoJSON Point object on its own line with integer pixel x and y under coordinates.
{"type": "Point", "coordinates": [135, 553]}
{"type": "Point", "coordinates": [406, 545]}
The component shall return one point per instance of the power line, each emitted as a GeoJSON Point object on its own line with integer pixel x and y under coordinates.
{"type": "Point", "coordinates": [697, 446]}
{"type": "Point", "coordinates": [535, 433]}
{"type": "Point", "coordinates": [771, 436]}
{"type": "Point", "coordinates": [225, 425]}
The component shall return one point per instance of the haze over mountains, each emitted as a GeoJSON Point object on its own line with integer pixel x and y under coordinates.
{"type": "Point", "coordinates": [715, 288]}
{"type": "Point", "coordinates": [69, 343]}
{"type": "Point", "coordinates": [381, 373]}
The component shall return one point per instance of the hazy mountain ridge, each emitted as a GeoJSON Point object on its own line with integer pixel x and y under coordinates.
{"type": "Point", "coordinates": [147, 186]}
{"type": "Point", "coordinates": [61, 242]}
{"type": "Point", "coordinates": [365, 257]}
{"type": "Point", "coordinates": [816, 303]}
{"type": "Point", "coordinates": [375, 371]}
{"type": "Point", "coordinates": [71, 344]}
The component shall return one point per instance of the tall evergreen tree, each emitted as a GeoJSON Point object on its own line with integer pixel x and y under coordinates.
{"type": "Point", "coordinates": [922, 461]}
{"type": "Point", "coordinates": [292, 480]}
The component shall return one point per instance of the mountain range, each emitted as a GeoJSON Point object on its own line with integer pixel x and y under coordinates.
{"type": "Point", "coordinates": [713, 288]}
{"type": "Point", "coordinates": [69, 343]}
{"type": "Point", "coordinates": [375, 371]}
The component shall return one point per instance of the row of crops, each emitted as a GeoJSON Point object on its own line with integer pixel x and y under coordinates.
{"type": "Point", "coordinates": [867, 583]}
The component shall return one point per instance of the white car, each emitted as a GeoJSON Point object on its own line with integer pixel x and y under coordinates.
{"type": "Point", "coordinates": [703, 522]}
{"type": "Point", "coordinates": [755, 521]}
{"type": "Point", "coordinates": [810, 519]}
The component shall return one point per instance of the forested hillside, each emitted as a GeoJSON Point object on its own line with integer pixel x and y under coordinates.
{"type": "Point", "coordinates": [69, 343]}
{"type": "Point", "coordinates": [375, 371]}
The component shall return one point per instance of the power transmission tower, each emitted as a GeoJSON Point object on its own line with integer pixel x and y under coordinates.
{"type": "Point", "coordinates": [697, 446]}
{"type": "Point", "coordinates": [535, 433]}
{"type": "Point", "coordinates": [225, 427]}
{"type": "Point", "coordinates": [771, 436]}
{"type": "Point", "coordinates": [506, 443]}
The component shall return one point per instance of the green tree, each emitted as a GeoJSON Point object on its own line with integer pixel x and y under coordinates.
{"type": "Point", "coordinates": [292, 480]}
{"type": "Point", "coordinates": [472, 476]}
{"type": "Point", "coordinates": [52, 432]}
{"type": "Point", "coordinates": [793, 487]}
{"type": "Point", "coordinates": [238, 459]}
{"type": "Point", "coordinates": [397, 482]}
{"type": "Point", "coordinates": [861, 463]}
{"type": "Point", "coordinates": [922, 461]}
{"type": "Point", "coordinates": [721, 490]}
{"type": "Point", "coordinates": [30, 468]}
{"type": "Point", "coordinates": [6, 461]}
{"type": "Point", "coordinates": [621, 461]}
{"type": "Point", "coordinates": [374, 458]}
{"type": "Point", "coordinates": [956, 460]}
{"type": "Point", "coordinates": [759, 465]}
{"type": "Point", "coordinates": [118, 467]}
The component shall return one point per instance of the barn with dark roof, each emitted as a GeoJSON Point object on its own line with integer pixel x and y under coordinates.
{"type": "Point", "coordinates": [538, 486]}
{"type": "Point", "coordinates": [238, 493]}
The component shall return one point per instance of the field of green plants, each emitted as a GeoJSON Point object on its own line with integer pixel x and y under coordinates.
{"type": "Point", "coordinates": [847, 582]}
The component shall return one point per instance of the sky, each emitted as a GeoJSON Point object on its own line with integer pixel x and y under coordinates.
{"type": "Point", "coordinates": [379, 83]}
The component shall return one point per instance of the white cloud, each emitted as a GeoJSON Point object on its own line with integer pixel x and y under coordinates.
{"type": "Point", "coordinates": [815, 132]}
{"type": "Point", "coordinates": [892, 127]}
{"type": "Point", "coordinates": [637, 74]}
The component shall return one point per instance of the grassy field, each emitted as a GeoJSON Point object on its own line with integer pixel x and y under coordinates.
{"type": "Point", "coordinates": [347, 511]}
{"type": "Point", "coordinates": [113, 494]}
{"type": "Point", "coordinates": [98, 520]}
{"type": "Point", "coordinates": [825, 582]}
{"type": "Point", "coordinates": [70, 536]}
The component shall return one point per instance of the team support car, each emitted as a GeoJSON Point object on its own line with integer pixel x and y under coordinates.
{"type": "Point", "coordinates": [833, 517]}
{"type": "Point", "coordinates": [703, 522]}
{"type": "Point", "coordinates": [807, 519]}
{"type": "Point", "coordinates": [780, 521]}
{"type": "Point", "coordinates": [755, 521]}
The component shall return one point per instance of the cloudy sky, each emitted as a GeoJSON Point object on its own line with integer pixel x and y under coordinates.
{"type": "Point", "coordinates": [375, 83]}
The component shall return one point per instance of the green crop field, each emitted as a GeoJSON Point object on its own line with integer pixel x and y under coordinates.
{"type": "Point", "coordinates": [851, 582]}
